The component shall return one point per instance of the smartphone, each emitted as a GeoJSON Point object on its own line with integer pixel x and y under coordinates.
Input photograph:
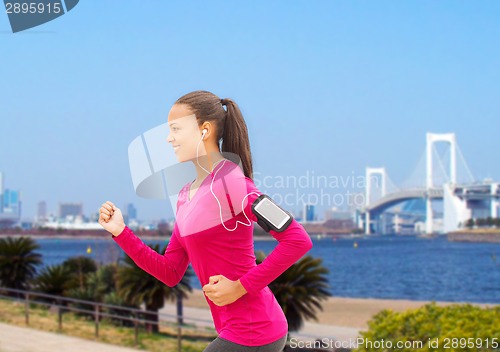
{"type": "Point", "coordinates": [270, 215]}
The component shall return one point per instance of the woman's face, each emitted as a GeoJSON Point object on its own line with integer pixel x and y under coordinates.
{"type": "Point", "coordinates": [184, 133]}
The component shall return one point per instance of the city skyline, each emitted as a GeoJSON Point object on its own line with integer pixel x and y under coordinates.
{"type": "Point", "coordinates": [11, 205]}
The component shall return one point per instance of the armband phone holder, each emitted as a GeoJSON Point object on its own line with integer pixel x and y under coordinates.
{"type": "Point", "coordinates": [270, 216]}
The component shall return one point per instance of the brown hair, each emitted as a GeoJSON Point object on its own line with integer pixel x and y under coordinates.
{"type": "Point", "coordinates": [229, 124]}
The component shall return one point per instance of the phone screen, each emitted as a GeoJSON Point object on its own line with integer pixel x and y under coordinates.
{"type": "Point", "coordinates": [272, 213]}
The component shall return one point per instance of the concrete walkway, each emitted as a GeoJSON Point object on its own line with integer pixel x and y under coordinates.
{"type": "Point", "coordinates": [21, 339]}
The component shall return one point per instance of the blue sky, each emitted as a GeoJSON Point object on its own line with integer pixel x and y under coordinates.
{"type": "Point", "coordinates": [325, 86]}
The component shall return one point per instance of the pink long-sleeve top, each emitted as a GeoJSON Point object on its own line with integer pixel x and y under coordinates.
{"type": "Point", "coordinates": [199, 238]}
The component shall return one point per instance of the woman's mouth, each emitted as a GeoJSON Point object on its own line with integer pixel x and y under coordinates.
{"type": "Point", "coordinates": [176, 147]}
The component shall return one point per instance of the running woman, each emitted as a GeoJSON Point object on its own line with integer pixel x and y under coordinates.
{"type": "Point", "coordinates": [214, 228]}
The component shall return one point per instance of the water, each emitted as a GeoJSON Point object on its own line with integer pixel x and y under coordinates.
{"type": "Point", "coordinates": [392, 267]}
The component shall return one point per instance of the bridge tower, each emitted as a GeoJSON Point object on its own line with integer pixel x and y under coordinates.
{"type": "Point", "coordinates": [433, 138]}
{"type": "Point", "coordinates": [494, 200]}
{"type": "Point", "coordinates": [368, 186]}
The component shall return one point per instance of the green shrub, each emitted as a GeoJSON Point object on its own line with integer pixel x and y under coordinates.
{"type": "Point", "coordinates": [458, 327]}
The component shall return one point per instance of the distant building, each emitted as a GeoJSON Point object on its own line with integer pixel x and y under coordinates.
{"type": "Point", "coordinates": [72, 210]}
{"type": "Point", "coordinates": [419, 227]}
{"type": "Point", "coordinates": [41, 214]}
{"type": "Point", "coordinates": [355, 201]}
{"type": "Point", "coordinates": [94, 217]}
{"type": "Point", "coordinates": [309, 213]}
{"type": "Point", "coordinates": [131, 212]}
{"type": "Point", "coordinates": [337, 214]}
{"type": "Point", "coordinates": [26, 225]}
{"type": "Point", "coordinates": [163, 226]}
{"type": "Point", "coordinates": [12, 202]}
{"type": "Point", "coordinates": [1, 192]}
{"type": "Point", "coordinates": [10, 205]}
{"type": "Point", "coordinates": [339, 224]}
{"type": "Point", "coordinates": [480, 209]}
{"type": "Point", "coordinates": [72, 225]}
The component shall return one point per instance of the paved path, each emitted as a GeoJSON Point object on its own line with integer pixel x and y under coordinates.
{"type": "Point", "coordinates": [22, 339]}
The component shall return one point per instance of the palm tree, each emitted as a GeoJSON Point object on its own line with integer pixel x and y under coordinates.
{"type": "Point", "coordinates": [89, 284]}
{"type": "Point", "coordinates": [136, 286]}
{"type": "Point", "coordinates": [53, 280]}
{"type": "Point", "coordinates": [67, 279]}
{"type": "Point", "coordinates": [98, 285]}
{"type": "Point", "coordinates": [300, 289]}
{"type": "Point", "coordinates": [469, 223]}
{"type": "Point", "coordinates": [79, 267]}
{"type": "Point", "coordinates": [18, 261]}
{"type": "Point", "coordinates": [102, 282]}
{"type": "Point", "coordinates": [489, 221]}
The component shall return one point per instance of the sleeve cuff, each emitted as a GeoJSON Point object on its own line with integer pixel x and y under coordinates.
{"type": "Point", "coordinates": [121, 236]}
{"type": "Point", "coordinates": [246, 284]}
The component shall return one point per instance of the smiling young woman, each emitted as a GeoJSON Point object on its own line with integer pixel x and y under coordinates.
{"type": "Point", "coordinates": [214, 228]}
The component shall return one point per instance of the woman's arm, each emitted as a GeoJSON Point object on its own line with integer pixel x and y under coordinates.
{"type": "Point", "coordinates": [293, 243]}
{"type": "Point", "coordinates": [169, 268]}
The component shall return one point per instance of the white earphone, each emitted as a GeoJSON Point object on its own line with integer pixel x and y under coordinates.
{"type": "Point", "coordinates": [211, 188]}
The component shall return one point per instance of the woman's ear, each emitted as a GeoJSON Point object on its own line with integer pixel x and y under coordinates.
{"type": "Point", "coordinates": [206, 128]}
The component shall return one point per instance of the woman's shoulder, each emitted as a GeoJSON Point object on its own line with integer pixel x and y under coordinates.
{"type": "Point", "coordinates": [232, 167]}
{"type": "Point", "coordinates": [235, 174]}
{"type": "Point", "coordinates": [232, 171]}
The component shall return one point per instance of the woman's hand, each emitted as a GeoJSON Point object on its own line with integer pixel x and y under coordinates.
{"type": "Point", "coordinates": [223, 291]}
{"type": "Point", "coordinates": [111, 218]}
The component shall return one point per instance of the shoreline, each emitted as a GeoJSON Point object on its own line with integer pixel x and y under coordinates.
{"type": "Point", "coordinates": [346, 311]}
{"type": "Point", "coordinates": [456, 236]}
{"type": "Point", "coordinates": [105, 237]}
{"type": "Point", "coordinates": [482, 236]}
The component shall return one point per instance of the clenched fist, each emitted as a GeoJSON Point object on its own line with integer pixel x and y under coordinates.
{"type": "Point", "coordinates": [111, 218]}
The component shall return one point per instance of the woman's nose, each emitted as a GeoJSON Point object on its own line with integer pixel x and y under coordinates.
{"type": "Point", "coordinates": [169, 138]}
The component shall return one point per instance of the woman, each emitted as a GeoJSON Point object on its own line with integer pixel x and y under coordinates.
{"type": "Point", "coordinates": [214, 230]}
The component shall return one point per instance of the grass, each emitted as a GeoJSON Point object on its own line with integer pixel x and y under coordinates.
{"type": "Point", "coordinates": [12, 312]}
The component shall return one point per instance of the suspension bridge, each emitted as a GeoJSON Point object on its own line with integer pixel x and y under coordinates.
{"type": "Point", "coordinates": [452, 185]}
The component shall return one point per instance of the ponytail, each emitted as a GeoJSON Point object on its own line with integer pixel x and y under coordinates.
{"type": "Point", "coordinates": [235, 136]}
